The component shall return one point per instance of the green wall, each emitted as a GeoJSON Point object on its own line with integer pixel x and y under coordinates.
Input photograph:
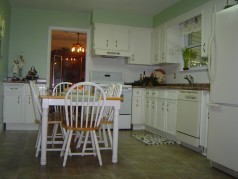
{"type": "Point", "coordinates": [5, 12]}
{"type": "Point", "coordinates": [179, 8]}
{"type": "Point", "coordinates": [101, 16]}
{"type": "Point", "coordinates": [29, 34]}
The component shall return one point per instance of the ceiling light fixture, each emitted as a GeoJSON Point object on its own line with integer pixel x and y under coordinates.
{"type": "Point", "coordinates": [77, 47]}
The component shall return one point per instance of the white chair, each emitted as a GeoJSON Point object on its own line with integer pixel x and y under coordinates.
{"type": "Point", "coordinates": [107, 120]}
{"type": "Point", "coordinates": [84, 106]}
{"type": "Point", "coordinates": [58, 90]}
{"type": "Point", "coordinates": [53, 119]}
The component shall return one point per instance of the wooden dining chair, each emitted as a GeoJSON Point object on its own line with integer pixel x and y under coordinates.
{"type": "Point", "coordinates": [107, 120]}
{"type": "Point", "coordinates": [59, 90]}
{"type": "Point", "coordinates": [53, 118]}
{"type": "Point", "coordinates": [84, 106]}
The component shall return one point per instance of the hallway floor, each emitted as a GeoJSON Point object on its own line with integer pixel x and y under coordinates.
{"type": "Point", "coordinates": [136, 161]}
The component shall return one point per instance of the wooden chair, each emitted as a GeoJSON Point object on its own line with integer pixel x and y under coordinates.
{"type": "Point", "coordinates": [58, 90]}
{"type": "Point", "coordinates": [107, 120]}
{"type": "Point", "coordinates": [53, 118]}
{"type": "Point", "coordinates": [84, 106]}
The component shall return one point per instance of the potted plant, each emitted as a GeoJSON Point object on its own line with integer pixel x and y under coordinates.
{"type": "Point", "coordinates": [188, 54]}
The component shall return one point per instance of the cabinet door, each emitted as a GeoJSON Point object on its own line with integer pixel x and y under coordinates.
{"type": "Point", "coordinates": [162, 43]}
{"type": "Point", "coordinates": [136, 110]}
{"type": "Point", "coordinates": [171, 117]}
{"type": "Point", "coordinates": [161, 114]}
{"type": "Point", "coordinates": [155, 48]}
{"type": "Point", "coordinates": [29, 110]}
{"type": "Point", "coordinates": [102, 36]}
{"type": "Point", "coordinates": [140, 46]}
{"type": "Point", "coordinates": [121, 36]}
{"type": "Point", "coordinates": [13, 111]}
{"type": "Point", "coordinates": [147, 111]}
{"type": "Point", "coordinates": [207, 12]}
{"type": "Point", "coordinates": [173, 44]}
{"type": "Point", "coordinates": [153, 121]}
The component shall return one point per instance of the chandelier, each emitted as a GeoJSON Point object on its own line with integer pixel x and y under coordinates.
{"type": "Point", "coordinates": [77, 47]}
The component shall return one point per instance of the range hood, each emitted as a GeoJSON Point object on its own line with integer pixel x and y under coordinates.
{"type": "Point", "coordinates": [112, 53]}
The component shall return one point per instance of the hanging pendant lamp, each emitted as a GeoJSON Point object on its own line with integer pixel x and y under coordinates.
{"type": "Point", "coordinates": [77, 46]}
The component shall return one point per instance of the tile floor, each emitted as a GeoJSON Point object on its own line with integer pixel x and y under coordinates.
{"type": "Point", "coordinates": [136, 161]}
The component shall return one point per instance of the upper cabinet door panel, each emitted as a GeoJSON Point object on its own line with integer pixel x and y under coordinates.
{"type": "Point", "coordinates": [102, 36]}
{"type": "Point", "coordinates": [121, 36]}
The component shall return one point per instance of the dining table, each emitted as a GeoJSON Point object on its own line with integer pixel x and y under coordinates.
{"type": "Point", "coordinates": [49, 100]}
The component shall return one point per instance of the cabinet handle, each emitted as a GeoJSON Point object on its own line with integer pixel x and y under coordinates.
{"type": "Point", "coordinates": [162, 109]}
{"type": "Point", "coordinates": [29, 100]}
{"type": "Point", "coordinates": [107, 43]}
{"type": "Point", "coordinates": [116, 43]}
{"type": "Point", "coordinates": [18, 99]}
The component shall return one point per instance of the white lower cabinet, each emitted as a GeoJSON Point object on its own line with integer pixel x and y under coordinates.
{"type": "Point", "coordinates": [138, 119]}
{"type": "Point", "coordinates": [18, 113]}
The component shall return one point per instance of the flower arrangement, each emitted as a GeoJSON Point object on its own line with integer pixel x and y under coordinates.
{"type": "Point", "coordinates": [188, 54]}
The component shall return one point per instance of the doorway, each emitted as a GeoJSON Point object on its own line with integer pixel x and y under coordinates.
{"type": "Point", "coordinates": [66, 65]}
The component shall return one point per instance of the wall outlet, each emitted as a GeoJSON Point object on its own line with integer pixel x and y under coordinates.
{"type": "Point", "coordinates": [174, 75]}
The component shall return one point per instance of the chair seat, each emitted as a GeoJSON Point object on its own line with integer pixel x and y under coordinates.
{"type": "Point", "coordinates": [83, 128]}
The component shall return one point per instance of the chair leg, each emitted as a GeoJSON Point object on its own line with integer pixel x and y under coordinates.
{"type": "Point", "coordinates": [64, 144]}
{"type": "Point", "coordinates": [104, 136]}
{"type": "Point", "coordinates": [109, 134]}
{"type": "Point", "coordinates": [80, 140]}
{"type": "Point", "coordinates": [85, 142]}
{"type": "Point", "coordinates": [67, 147]}
{"type": "Point", "coordinates": [97, 148]}
{"type": "Point", "coordinates": [38, 143]}
{"type": "Point", "coordinates": [54, 132]}
{"type": "Point", "coordinates": [93, 143]}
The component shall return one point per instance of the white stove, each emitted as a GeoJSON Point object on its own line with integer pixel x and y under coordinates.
{"type": "Point", "coordinates": [106, 78]}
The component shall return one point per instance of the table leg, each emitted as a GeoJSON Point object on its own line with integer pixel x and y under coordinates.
{"type": "Point", "coordinates": [115, 136]}
{"type": "Point", "coordinates": [44, 128]}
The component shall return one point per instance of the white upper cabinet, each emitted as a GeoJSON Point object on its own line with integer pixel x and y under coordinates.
{"type": "Point", "coordinates": [155, 57]}
{"type": "Point", "coordinates": [207, 12]}
{"type": "Point", "coordinates": [111, 40]}
{"type": "Point", "coordinates": [162, 43]}
{"type": "Point", "coordinates": [140, 46]}
{"type": "Point", "coordinates": [173, 44]}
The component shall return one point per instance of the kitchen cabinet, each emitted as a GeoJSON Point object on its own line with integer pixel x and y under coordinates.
{"type": "Point", "coordinates": [155, 42]}
{"type": "Point", "coordinates": [138, 113]}
{"type": "Point", "coordinates": [207, 12]}
{"type": "Point", "coordinates": [111, 39]}
{"type": "Point", "coordinates": [140, 46]}
{"type": "Point", "coordinates": [12, 103]}
{"type": "Point", "coordinates": [18, 110]}
{"type": "Point", "coordinates": [167, 111]}
{"type": "Point", "coordinates": [162, 43]}
{"type": "Point", "coordinates": [147, 107]}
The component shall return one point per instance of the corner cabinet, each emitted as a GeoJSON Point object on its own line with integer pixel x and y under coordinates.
{"type": "Point", "coordinates": [18, 113]}
{"type": "Point", "coordinates": [111, 39]}
{"type": "Point", "coordinates": [140, 46]}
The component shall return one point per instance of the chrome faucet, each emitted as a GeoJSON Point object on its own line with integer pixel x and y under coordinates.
{"type": "Point", "coordinates": [190, 79]}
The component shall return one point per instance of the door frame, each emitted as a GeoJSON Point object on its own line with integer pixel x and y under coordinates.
{"type": "Point", "coordinates": [69, 29]}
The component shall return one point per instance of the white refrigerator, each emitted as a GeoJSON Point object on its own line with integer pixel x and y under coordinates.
{"type": "Point", "coordinates": [223, 107]}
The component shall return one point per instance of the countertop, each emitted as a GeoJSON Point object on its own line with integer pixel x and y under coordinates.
{"type": "Point", "coordinates": [197, 86]}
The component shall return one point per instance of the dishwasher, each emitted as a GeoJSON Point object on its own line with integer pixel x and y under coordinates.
{"type": "Point", "coordinates": [189, 117]}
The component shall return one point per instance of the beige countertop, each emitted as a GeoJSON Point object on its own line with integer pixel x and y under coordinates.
{"type": "Point", "coordinates": [197, 86]}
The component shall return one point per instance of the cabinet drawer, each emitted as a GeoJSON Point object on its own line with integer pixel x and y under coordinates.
{"type": "Point", "coordinates": [13, 88]}
{"type": "Point", "coordinates": [138, 92]}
